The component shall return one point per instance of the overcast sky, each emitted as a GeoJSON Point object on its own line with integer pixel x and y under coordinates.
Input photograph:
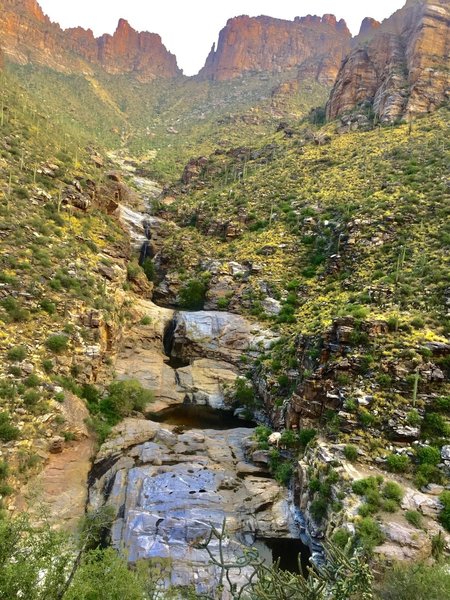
{"type": "Point", "coordinates": [189, 27]}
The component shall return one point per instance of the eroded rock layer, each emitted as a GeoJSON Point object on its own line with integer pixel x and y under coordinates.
{"type": "Point", "coordinates": [264, 44]}
{"type": "Point", "coordinates": [28, 36]}
{"type": "Point", "coordinates": [400, 67]}
{"type": "Point", "coordinates": [168, 489]}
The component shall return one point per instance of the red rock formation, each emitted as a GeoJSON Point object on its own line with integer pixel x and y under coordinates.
{"type": "Point", "coordinates": [27, 35]}
{"type": "Point", "coordinates": [368, 28]}
{"type": "Point", "coordinates": [404, 66]}
{"type": "Point", "coordinates": [143, 53]}
{"type": "Point", "coordinates": [263, 44]}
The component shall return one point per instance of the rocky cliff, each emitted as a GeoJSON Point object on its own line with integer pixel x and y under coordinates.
{"type": "Point", "coordinates": [27, 35]}
{"type": "Point", "coordinates": [400, 67]}
{"type": "Point", "coordinates": [263, 44]}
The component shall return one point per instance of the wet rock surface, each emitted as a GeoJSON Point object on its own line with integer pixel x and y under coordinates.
{"type": "Point", "coordinates": [218, 335]}
{"type": "Point", "coordinates": [168, 489]}
{"type": "Point", "coordinates": [187, 357]}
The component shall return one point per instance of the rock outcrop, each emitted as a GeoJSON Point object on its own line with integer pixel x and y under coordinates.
{"type": "Point", "coordinates": [205, 345]}
{"type": "Point", "coordinates": [27, 35]}
{"type": "Point", "coordinates": [168, 489]}
{"type": "Point", "coordinates": [400, 67]}
{"type": "Point", "coordinates": [263, 44]}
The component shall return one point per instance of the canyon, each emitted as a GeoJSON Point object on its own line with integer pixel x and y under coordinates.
{"type": "Point", "coordinates": [398, 67]}
{"type": "Point", "coordinates": [224, 298]}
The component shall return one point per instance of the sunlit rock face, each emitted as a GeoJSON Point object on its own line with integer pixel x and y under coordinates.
{"type": "Point", "coordinates": [399, 67]}
{"type": "Point", "coordinates": [28, 35]}
{"type": "Point", "coordinates": [264, 44]}
{"type": "Point", "coordinates": [169, 489]}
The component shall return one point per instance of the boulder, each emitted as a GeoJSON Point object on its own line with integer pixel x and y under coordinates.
{"type": "Point", "coordinates": [168, 489]}
{"type": "Point", "coordinates": [218, 335]}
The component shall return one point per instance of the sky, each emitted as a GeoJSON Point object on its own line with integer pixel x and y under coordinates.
{"type": "Point", "coordinates": [189, 27]}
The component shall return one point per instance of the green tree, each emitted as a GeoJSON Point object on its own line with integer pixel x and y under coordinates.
{"type": "Point", "coordinates": [192, 295]}
{"type": "Point", "coordinates": [34, 561]}
{"type": "Point", "coordinates": [415, 582]}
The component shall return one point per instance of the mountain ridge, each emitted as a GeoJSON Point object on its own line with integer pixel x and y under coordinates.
{"type": "Point", "coordinates": [400, 67]}
{"type": "Point", "coordinates": [265, 44]}
{"type": "Point", "coordinates": [28, 35]}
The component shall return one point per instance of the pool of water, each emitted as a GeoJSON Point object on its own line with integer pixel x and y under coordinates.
{"type": "Point", "coordinates": [290, 553]}
{"type": "Point", "coordinates": [191, 416]}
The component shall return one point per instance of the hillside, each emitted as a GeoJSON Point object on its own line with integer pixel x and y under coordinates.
{"type": "Point", "coordinates": [227, 290]}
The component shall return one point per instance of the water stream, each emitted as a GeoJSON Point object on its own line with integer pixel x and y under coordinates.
{"type": "Point", "coordinates": [192, 416]}
{"type": "Point", "coordinates": [202, 418]}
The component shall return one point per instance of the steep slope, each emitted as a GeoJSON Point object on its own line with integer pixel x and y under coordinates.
{"type": "Point", "coordinates": [400, 67]}
{"type": "Point", "coordinates": [28, 36]}
{"type": "Point", "coordinates": [264, 44]}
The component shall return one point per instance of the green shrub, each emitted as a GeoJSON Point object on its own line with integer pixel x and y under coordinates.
{"type": "Point", "coordinates": [5, 489]}
{"type": "Point", "coordinates": [389, 506]}
{"type": "Point", "coordinates": [428, 455]}
{"type": "Point", "coordinates": [289, 439]}
{"type": "Point", "coordinates": [351, 452]}
{"type": "Point", "coordinates": [283, 472]}
{"type": "Point", "coordinates": [373, 498]}
{"type": "Point", "coordinates": [4, 470]}
{"type": "Point", "coordinates": [192, 295]}
{"type": "Point", "coordinates": [361, 486]}
{"type": "Point", "coordinates": [426, 474]}
{"type": "Point", "coordinates": [223, 303]}
{"type": "Point", "coordinates": [48, 306]}
{"type": "Point", "coordinates": [438, 545]}
{"type": "Point", "coordinates": [149, 269]}
{"type": "Point", "coordinates": [444, 515]}
{"type": "Point", "coordinates": [318, 509]}
{"type": "Point", "coordinates": [31, 398]}
{"type": "Point", "coordinates": [367, 419]}
{"type": "Point", "coordinates": [47, 365]}
{"type": "Point", "coordinates": [133, 270]}
{"type": "Point", "coordinates": [366, 509]}
{"type": "Point", "coordinates": [384, 380]}
{"type": "Point", "coordinates": [351, 405]}
{"type": "Point", "coordinates": [17, 354]}
{"type": "Point", "coordinates": [369, 533]}
{"type": "Point", "coordinates": [124, 397]}
{"type": "Point", "coordinates": [32, 381]}
{"type": "Point", "coordinates": [413, 418]}
{"type": "Point", "coordinates": [414, 518]}
{"type": "Point", "coordinates": [261, 434]}
{"type": "Point", "coordinates": [314, 484]}
{"type": "Point", "coordinates": [413, 581]}
{"type": "Point", "coordinates": [435, 425]}
{"type": "Point", "coordinates": [57, 343]}
{"type": "Point", "coordinates": [398, 463]}
{"type": "Point", "coordinates": [392, 491]}
{"type": "Point", "coordinates": [15, 310]}
{"type": "Point", "coordinates": [306, 436]}
{"type": "Point", "coordinates": [146, 320]}
{"type": "Point", "coordinates": [340, 537]}
{"type": "Point", "coordinates": [244, 393]}
{"type": "Point", "coordinates": [8, 432]}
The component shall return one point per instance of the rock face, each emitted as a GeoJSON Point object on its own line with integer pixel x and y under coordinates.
{"type": "Point", "coordinates": [168, 489]}
{"type": "Point", "coordinates": [218, 335]}
{"type": "Point", "coordinates": [27, 35]}
{"type": "Point", "coordinates": [209, 344]}
{"type": "Point", "coordinates": [400, 67]}
{"type": "Point", "coordinates": [263, 44]}
{"type": "Point", "coordinates": [61, 486]}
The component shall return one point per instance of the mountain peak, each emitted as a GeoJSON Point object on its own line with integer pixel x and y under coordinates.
{"type": "Point", "coordinates": [265, 44]}
{"type": "Point", "coordinates": [27, 35]}
{"type": "Point", "coordinates": [368, 26]}
{"type": "Point", "coordinates": [399, 66]}
{"type": "Point", "coordinates": [30, 8]}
